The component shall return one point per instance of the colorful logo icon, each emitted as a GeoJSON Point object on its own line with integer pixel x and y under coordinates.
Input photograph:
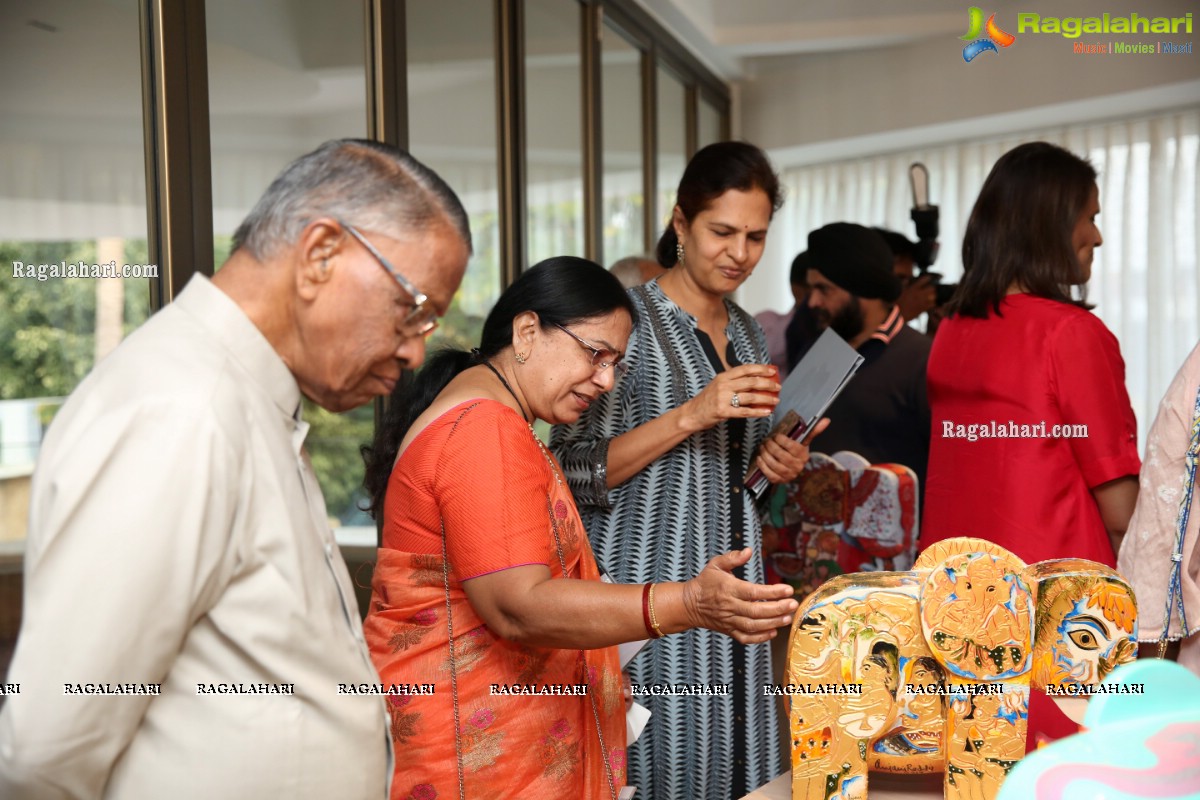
{"type": "Point", "coordinates": [976, 26]}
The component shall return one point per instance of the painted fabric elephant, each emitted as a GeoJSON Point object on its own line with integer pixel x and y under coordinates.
{"type": "Point", "coordinates": [930, 670]}
{"type": "Point", "coordinates": [841, 514]}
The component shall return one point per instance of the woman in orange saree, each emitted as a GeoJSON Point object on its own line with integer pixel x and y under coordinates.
{"type": "Point", "coordinates": [492, 632]}
{"type": "Point", "coordinates": [509, 736]}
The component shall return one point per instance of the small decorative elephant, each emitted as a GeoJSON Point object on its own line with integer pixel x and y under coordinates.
{"type": "Point", "coordinates": [930, 670]}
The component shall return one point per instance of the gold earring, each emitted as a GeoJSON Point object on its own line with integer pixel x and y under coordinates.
{"type": "Point", "coordinates": [679, 252]}
{"type": "Point", "coordinates": [519, 358]}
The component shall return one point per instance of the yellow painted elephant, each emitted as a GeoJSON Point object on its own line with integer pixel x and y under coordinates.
{"type": "Point", "coordinates": [929, 670]}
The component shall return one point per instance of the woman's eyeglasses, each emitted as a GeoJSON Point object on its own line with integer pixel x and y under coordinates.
{"type": "Point", "coordinates": [602, 358]}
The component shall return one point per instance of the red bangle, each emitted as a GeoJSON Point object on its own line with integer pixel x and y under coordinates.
{"type": "Point", "coordinates": [646, 612]}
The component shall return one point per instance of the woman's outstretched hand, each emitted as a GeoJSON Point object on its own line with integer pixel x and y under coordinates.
{"type": "Point", "coordinates": [748, 612]}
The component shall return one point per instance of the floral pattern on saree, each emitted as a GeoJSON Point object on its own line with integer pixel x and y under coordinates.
{"type": "Point", "coordinates": [404, 719]}
{"type": "Point", "coordinates": [481, 747]}
{"type": "Point", "coordinates": [426, 570]}
{"type": "Point", "coordinates": [560, 754]}
{"type": "Point", "coordinates": [568, 529]}
{"type": "Point", "coordinates": [410, 633]}
{"type": "Point", "coordinates": [531, 663]}
{"type": "Point", "coordinates": [422, 791]}
{"type": "Point", "coordinates": [469, 649]}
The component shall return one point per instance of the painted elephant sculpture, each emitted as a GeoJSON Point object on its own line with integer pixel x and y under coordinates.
{"type": "Point", "coordinates": [930, 670]}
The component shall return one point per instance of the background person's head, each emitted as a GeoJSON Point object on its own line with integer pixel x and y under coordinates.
{"type": "Point", "coordinates": [315, 264]}
{"type": "Point", "coordinates": [850, 278]}
{"type": "Point", "coordinates": [904, 254]}
{"type": "Point", "coordinates": [633, 271]}
{"type": "Point", "coordinates": [726, 198]}
{"type": "Point", "coordinates": [1032, 229]}
{"type": "Point", "coordinates": [557, 375]}
{"type": "Point", "coordinates": [798, 277]}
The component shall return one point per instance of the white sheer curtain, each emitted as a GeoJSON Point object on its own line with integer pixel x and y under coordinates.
{"type": "Point", "coordinates": [1145, 279]}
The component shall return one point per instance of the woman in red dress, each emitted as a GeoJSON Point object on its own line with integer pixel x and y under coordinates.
{"type": "Point", "coordinates": [504, 679]}
{"type": "Point", "coordinates": [1034, 442]}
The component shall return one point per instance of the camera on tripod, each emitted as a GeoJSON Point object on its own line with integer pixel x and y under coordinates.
{"type": "Point", "coordinates": [925, 217]}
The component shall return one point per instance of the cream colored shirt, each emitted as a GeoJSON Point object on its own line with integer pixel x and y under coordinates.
{"type": "Point", "coordinates": [178, 537]}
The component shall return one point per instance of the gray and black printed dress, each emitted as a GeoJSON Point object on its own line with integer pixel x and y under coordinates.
{"type": "Point", "coordinates": [664, 524]}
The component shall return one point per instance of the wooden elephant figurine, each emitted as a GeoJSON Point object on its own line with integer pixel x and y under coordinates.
{"type": "Point", "coordinates": [930, 670]}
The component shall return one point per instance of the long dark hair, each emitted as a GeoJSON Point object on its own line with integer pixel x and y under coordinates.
{"type": "Point", "coordinates": [1021, 227]}
{"type": "Point", "coordinates": [562, 290]}
{"type": "Point", "coordinates": [714, 170]}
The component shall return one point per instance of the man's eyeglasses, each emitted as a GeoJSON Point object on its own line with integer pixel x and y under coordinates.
{"type": "Point", "coordinates": [602, 358]}
{"type": "Point", "coordinates": [422, 319]}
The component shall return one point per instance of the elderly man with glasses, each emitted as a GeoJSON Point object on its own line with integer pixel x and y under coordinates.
{"type": "Point", "coordinates": [189, 624]}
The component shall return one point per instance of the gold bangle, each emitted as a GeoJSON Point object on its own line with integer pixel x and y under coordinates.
{"type": "Point", "coordinates": [653, 618]}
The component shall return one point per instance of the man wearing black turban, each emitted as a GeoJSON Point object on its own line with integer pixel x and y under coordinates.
{"type": "Point", "coordinates": [883, 413]}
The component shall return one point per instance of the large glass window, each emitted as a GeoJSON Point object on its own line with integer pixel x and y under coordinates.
{"type": "Point", "coordinates": [72, 203]}
{"type": "Point", "coordinates": [553, 133]}
{"type": "Point", "coordinates": [672, 142]}
{"type": "Point", "coordinates": [708, 123]}
{"type": "Point", "coordinates": [283, 78]}
{"type": "Point", "coordinates": [452, 128]}
{"type": "Point", "coordinates": [624, 203]}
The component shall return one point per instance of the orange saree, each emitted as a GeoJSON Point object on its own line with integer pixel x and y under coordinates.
{"type": "Point", "coordinates": [511, 720]}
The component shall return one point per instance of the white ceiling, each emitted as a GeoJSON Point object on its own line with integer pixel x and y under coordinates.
{"type": "Point", "coordinates": [729, 35]}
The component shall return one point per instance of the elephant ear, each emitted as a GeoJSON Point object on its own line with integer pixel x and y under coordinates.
{"type": "Point", "coordinates": [938, 552]}
{"type": "Point", "coordinates": [977, 612]}
{"type": "Point", "coordinates": [1086, 623]}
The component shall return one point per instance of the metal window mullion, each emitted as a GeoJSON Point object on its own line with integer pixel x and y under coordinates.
{"type": "Point", "coordinates": [633, 17]}
{"type": "Point", "coordinates": [179, 217]}
{"type": "Point", "coordinates": [650, 148]}
{"type": "Point", "coordinates": [691, 120]}
{"type": "Point", "coordinates": [387, 72]}
{"type": "Point", "coordinates": [593, 134]}
{"type": "Point", "coordinates": [510, 138]}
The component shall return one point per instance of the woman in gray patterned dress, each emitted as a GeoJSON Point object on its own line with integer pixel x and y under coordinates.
{"type": "Point", "coordinates": [657, 468]}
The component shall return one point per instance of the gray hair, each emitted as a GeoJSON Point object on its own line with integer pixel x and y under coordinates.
{"type": "Point", "coordinates": [368, 184]}
{"type": "Point", "coordinates": [628, 270]}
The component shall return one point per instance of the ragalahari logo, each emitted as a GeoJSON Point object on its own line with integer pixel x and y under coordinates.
{"type": "Point", "coordinates": [976, 26]}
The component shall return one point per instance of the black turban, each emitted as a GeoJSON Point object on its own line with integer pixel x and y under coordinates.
{"type": "Point", "coordinates": [855, 258]}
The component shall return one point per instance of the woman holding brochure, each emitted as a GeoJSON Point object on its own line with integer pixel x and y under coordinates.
{"type": "Point", "coordinates": [485, 591]}
{"type": "Point", "coordinates": [657, 466]}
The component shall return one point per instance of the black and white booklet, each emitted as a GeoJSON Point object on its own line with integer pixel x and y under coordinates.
{"type": "Point", "coordinates": [809, 389]}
